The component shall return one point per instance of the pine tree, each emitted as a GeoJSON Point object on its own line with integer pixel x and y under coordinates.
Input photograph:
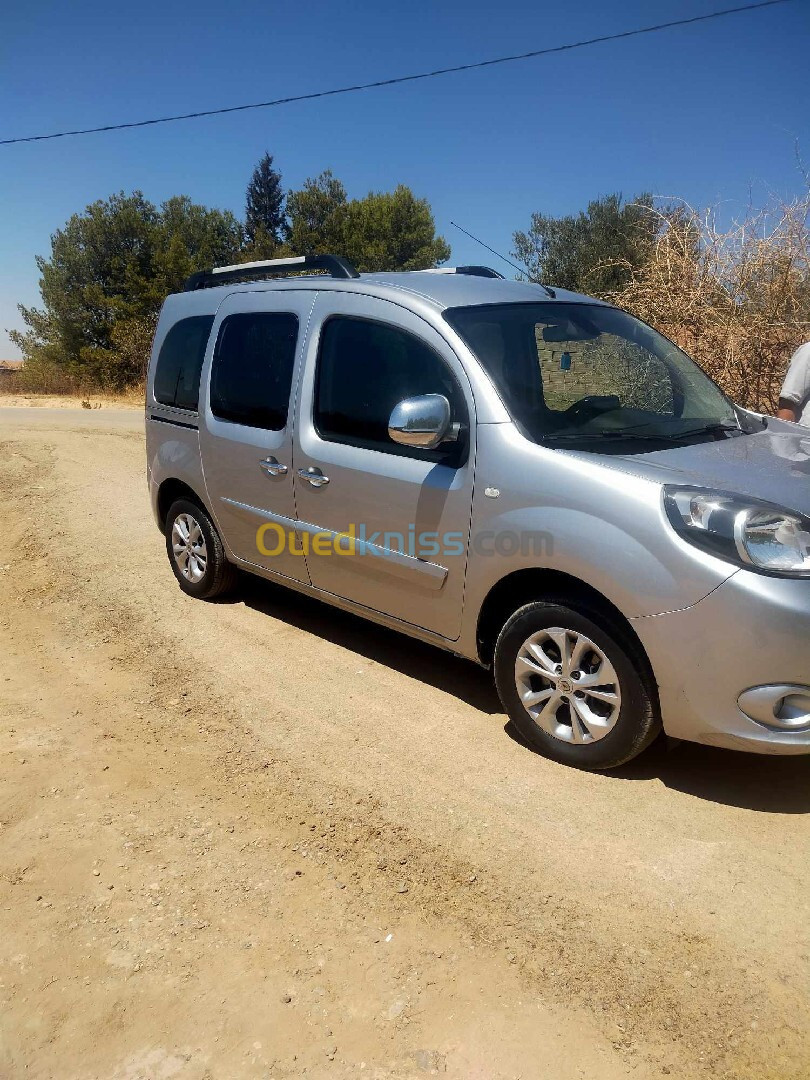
{"type": "Point", "coordinates": [265, 220]}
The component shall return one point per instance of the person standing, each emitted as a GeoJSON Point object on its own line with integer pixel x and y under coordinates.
{"type": "Point", "coordinates": [794, 400]}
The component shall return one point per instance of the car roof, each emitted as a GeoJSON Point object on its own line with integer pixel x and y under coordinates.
{"type": "Point", "coordinates": [436, 289]}
{"type": "Point", "coordinates": [464, 290]}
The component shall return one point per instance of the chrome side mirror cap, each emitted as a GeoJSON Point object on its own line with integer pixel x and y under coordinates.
{"type": "Point", "coordinates": [422, 421]}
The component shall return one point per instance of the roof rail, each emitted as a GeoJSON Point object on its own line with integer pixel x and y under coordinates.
{"type": "Point", "coordinates": [471, 271]}
{"type": "Point", "coordinates": [334, 265]}
{"type": "Point", "coordinates": [479, 271]}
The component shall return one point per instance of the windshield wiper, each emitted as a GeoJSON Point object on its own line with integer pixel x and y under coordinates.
{"type": "Point", "coordinates": [632, 433]}
{"type": "Point", "coordinates": [601, 436]}
{"type": "Point", "coordinates": [703, 429]}
{"type": "Point", "coordinates": [709, 429]}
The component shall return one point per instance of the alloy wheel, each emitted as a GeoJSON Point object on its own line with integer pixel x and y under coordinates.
{"type": "Point", "coordinates": [567, 685]}
{"type": "Point", "coordinates": [189, 547]}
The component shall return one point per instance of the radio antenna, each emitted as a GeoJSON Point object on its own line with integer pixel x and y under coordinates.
{"type": "Point", "coordinates": [497, 254]}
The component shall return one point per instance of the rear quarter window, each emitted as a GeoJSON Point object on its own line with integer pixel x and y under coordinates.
{"type": "Point", "coordinates": [179, 363]}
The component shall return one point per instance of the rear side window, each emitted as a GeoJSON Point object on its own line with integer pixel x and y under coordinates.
{"type": "Point", "coordinates": [252, 370]}
{"type": "Point", "coordinates": [364, 369]}
{"type": "Point", "coordinates": [177, 373]}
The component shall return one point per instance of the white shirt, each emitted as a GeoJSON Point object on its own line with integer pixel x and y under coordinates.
{"type": "Point", "coordinates": [796, 388]}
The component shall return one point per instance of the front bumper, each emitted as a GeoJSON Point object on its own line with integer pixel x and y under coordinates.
{"type": "Point", "coordinates": [752, 631]}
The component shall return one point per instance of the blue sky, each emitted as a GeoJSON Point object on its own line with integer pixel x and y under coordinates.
{"type": "Point", "coordinates": [709, 113]}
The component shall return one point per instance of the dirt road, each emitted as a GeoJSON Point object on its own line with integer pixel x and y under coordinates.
{"type": "Point", "coordinates": [263, 838]}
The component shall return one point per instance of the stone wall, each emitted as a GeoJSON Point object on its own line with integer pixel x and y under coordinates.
{"type": "Point", "coordinates": [611, 367]}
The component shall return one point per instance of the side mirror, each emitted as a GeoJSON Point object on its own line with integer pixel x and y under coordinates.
{"type": "Point", "coordinates": [422, 421]}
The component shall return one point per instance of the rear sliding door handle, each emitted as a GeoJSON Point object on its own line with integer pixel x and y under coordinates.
{"type": "Point", "coordinates": [272, 467]}
{"type": "Point", "coordinates": [314, 477]}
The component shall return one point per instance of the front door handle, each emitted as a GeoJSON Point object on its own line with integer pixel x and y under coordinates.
{"type": "Point", "coordinates": [272, 467]}
{"type": "Point", "coordinates": [314, 477]}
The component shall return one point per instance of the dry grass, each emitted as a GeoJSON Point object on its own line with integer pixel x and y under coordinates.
{"type": "Point", "coordinates": [737, 300]}
{"type": "Point", "coordinates": [52, 388]}
{"type": "Point", "coordinates": [49, 386]}
{"type": "Point", "coordinates": [39, 379]}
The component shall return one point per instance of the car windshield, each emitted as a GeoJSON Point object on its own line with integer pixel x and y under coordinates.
{"type": "Point", "coordinates": [587, 371]}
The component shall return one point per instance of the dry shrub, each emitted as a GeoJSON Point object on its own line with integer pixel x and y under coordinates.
{"type": "Point", "coordinates": [737, 300]}
{"type": "Point", "coordinates": [42, 378]}
{"type": "Point", "coordinates": [118, 372]}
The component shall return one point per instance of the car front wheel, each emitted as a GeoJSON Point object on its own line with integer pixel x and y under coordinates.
{"type": "Point", "coordinates": [575, 691]}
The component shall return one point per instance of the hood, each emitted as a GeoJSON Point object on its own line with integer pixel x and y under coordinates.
{"type": "Point", "coordinates": [773, 465]}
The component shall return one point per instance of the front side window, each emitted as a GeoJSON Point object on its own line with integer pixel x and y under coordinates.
{"type": "Point", "coordinates": [588, 371]}
{"type": "Point", "coordinates": [252, 369]}
{"type": "Point", "coordinates": [365, 368]}
{"type": "Point", "coordinates": [179, 362]}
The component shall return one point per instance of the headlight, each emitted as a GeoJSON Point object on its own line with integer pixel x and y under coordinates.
{"type": "Point", "coordinates": [750, 533]}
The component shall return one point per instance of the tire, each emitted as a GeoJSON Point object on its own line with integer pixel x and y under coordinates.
{"type": "Point", "coordinates": [575, 717]}
{"type": "Point", "coordinates": [201, 567]}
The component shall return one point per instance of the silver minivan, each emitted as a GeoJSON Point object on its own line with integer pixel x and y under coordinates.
{"type": "Point", "coordinates": [527, 477]}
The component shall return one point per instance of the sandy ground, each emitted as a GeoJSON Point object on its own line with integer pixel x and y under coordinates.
{"type": "Point", "coordinates": [262, 838]}
{"type": "Point", "coordinates": [66, 401]}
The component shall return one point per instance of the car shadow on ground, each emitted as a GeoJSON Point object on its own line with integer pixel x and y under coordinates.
{"type": "Point", "coordinates": [775, 785]}
{"type": "Point", "coordinates": [768, 784]}
{"type": "Point", "coordinates": [452, 674]}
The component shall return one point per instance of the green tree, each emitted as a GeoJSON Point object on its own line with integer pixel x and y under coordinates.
{"type": "Point", "coordinates": [383, 231]}
{"type": "Point", "coordinates": [96, 273]}
{"type": "Point", "coordinates": [108, 273]}
{"type": "Point", "coordinates": [392, 231]}
{"type": "Point", "coordinates": [595, 251]}
{"type": "Point", "coordinates": [191, 237]}
{"type": "Point", "coordinates": [265, 221]}
{"type": "Point", "coordinates": [317, 216]}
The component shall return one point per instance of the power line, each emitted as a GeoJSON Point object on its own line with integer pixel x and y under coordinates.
{"type": "Point", "coordinates": [401, 78]}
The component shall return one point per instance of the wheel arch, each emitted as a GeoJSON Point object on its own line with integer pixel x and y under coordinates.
{"type": "Point", "coordinates": [535, 583]}
{"type": "Point", "coordinates": [168, 492]}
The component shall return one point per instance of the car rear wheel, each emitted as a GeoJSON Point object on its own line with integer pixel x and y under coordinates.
{"type": "Point", "coordinates": [576, 691]}
{"type": "Point", "coordinates": [196, 552]}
